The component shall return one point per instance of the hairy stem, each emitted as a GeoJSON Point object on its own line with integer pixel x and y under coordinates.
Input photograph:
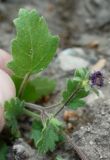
{"type": "Point", "coordinates": [35, 107]}
{"type": "Point", "coordinates": [32, 114]}
{"type": "Point", "coordinates": [68, 100]}
{"type": "Point", "coordinates": [40, 108]}
{"type": "Point", "coordinates": [23, 85]}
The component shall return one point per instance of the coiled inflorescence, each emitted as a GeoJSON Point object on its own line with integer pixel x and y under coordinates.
{"type": "Point", "coordinates": [97, 79]}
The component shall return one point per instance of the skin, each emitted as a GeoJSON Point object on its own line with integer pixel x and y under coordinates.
{"type": "Point", "coordinates": [2, 121]}
{"type": "Point", "coordinates": [7, 87]}
{"type": "Point", "coordinates": [4, 59]}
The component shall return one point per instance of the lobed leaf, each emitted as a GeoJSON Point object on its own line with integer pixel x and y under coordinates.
{"type": "Point", "coordinates": [49, 135]}
{"type": "Point", "coordinates": [13, 109]}
{"type": "Point", "coordinates": [77, 89]}
{"type": "Point", "coordinates": [77, 103]}
{"type": "Point", "coordinates": [36, 88]}
{"type": "Point", "coordinates": [3, 150]}
{"type": "Point", "coordinates": [36, 131]}
{"type": "Point", "coordinates": [34, 46]}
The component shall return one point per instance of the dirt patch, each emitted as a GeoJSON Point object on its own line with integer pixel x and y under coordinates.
{"type": "Point", "coordinates": [79, 24]}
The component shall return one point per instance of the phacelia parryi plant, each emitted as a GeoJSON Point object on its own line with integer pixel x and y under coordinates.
{"type": "Point", "coordinates": [32, 51]}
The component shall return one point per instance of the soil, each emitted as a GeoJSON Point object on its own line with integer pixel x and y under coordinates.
{"type": "Point", "coordinates": [86, 25]}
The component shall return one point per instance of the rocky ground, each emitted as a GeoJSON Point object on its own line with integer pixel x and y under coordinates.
{"type": "Point", "coordinates": [84, 30]}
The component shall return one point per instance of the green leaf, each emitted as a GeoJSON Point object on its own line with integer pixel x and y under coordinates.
{"type": "Point", "coordinates": [71, 87]}
{"type": "Point", "coordinates": [82, 93]}
{"type": "Point", "coordinates": [77, 88]}
{"type": "Point", "coordinates": [17, 81]}
{"type": "Point", "coordinates": [34, 46]}
{"type": "Point", "coordinates": [82, 73]}
{"type": "Point", "coordinates": [87, 88]}
{"type": "Point", "coordinates": [77, 103]}
{"type": "Point", "coordinates": [36, 88]}
{"type": "Point", "coordinates": [36, 131]}
{"type": "Point", "coordinates": [3, 150]}
{"type": "Point", "coordinates": [78, 79]}
{"type": "Point", "coordinates": [49, 135]}
{"type": "Point", "coordinates": [13, 109]}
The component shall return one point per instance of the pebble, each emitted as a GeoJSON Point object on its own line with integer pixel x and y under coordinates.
{"type": "Point", "coordinates": [23, 151]}
{"type": "Point", "coordinates": [99, 65]}
{"type": "Point", "coordinates": [72, 58]}
{"type": "Point", "coordinates": [91, 142]}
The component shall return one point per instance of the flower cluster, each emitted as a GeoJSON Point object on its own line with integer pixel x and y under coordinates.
{"type": "Point", "coordinates": [97, 79]}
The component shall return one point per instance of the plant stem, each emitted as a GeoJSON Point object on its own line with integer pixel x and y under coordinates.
{"type": "Point", "coordinates": [36, 107]}
{"type": "Point", "coordinates": [68, 100]}
{"type": "Point", "coordinates": [23, 85]}
{"type": "Point", "coordinates": [32, 114]}
{"type": "Point", "coordinates": [40, 108]}
{"type": "Point", "coordinates": [54, 105]}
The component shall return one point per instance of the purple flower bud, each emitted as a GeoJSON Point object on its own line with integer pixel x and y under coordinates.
{"type": "Point", "coordinates": [97, 79]}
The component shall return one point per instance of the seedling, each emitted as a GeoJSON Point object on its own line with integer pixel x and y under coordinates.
{"type": "Point", "coordinates": [32, 51]}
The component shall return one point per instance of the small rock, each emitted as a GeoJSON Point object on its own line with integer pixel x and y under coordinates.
{"type": "Point", "coordinates": [74, 52]}
{"type": "Point", "coordinates": [72, 58]}
{"type": "Point", "coordinates": [91, 142]}
{"type": "Point", "coordinates": [23, 151]}
{"type": "Point", "coordinates": [99, 65]}
{"type": "Point", "coordinates": [70, 115]}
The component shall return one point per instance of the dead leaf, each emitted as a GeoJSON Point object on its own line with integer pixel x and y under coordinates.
{"type": "Point", "coordinates": [99, 65]}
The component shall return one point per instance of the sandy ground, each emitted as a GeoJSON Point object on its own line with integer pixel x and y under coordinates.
{"type": "Point", "coordinates": [84, 24]}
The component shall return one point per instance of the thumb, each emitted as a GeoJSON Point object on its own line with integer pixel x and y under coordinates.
{"type": "Point", "coordinates": [2, 119]}
{"type": "Point", "coordinates": [7, 91]}
{"type": "Point", "coordinates": [4, 59]}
